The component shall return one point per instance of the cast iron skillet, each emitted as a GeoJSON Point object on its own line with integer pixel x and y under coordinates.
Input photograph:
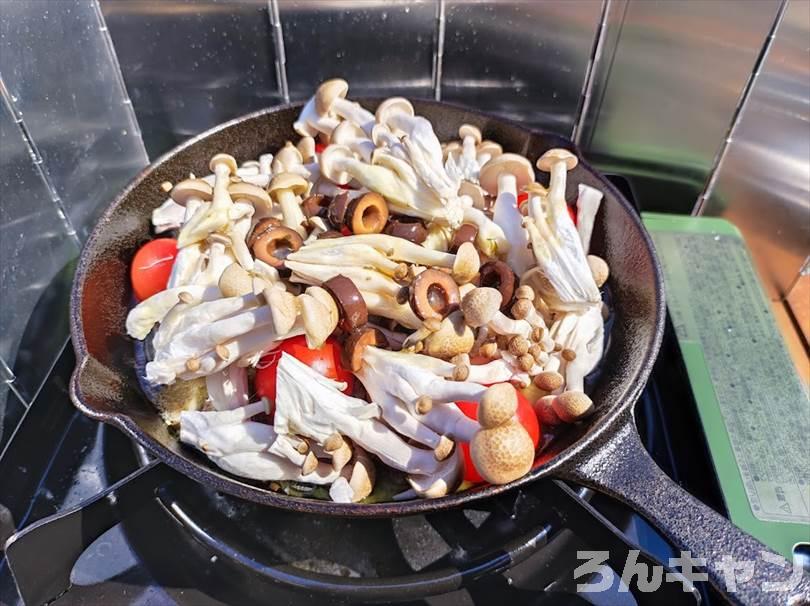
{"type": "Point", "coordinates": [604, 453]}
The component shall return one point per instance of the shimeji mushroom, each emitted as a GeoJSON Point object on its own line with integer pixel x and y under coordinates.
{"type": "Point", "coordinates": [286, 189]}
{"type": "Point", "coordinates": [219, 258]}
{"type": "Point", "coordinates": [599, 269]}
{"type": "Point", "coordinates": [342, 255]}
{"type": "Point", "coordinates": [249, 201]}
{"type": "Point", "coordinates": [502, 450]}
{"type": "Point", "coordinates": [583, 335]}
{"type": "Point", "coordinates": [389, 307]}
{"type": "Point", "coordinates": [503, 177]}
{"type": "Point", "coordinates": [440, 483]}
{"type": "Point", "coordinates": [228, 389]}
{"type": "Point", "coordinates": [588, 204]}
{"type": "Point", "coordinates": [366, 279]}
{"type": "Point", "coordinates": [215, 216]}
{"type": "Point", "coordinates": [481, 307]}
{"type": "Point", "coordinates": [193, 195]}
{"type": "Point", "coordinates": [311, 405]}
{"type": "Point", "coordinates": [486, 150]}
{"type": "Point", "coordinates": [149, 312]}
{"type": "Point", "coordinates": [310, 123]}
{"type": "Point", "coordinates": [464, 165]}
{"type": "Point", "coordinates": [235, 281]}
{"type": "Point", "coordinates": [352, 136]}
{"type": "Point", "coordinates": [168, 216]}
{"type": "Point", "coordinates": [330, 99]}
{"type": "Point", "coordinates": [562, 275]}
{"type": "Point", "coordinates": [243, 447]}
{"type": "Point", "coordinates": [356, 481]}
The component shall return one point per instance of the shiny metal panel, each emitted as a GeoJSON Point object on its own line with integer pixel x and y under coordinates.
{"type": "Point", "coordinates": [189, 65]}
{"type": "Point", "coordinates": [523, 60]}
{"type": "Point", "coordinates": [382, 47]}
{"type": "Point", "coordinates": [35, 246]}
{"type": "Point", "coordinates": [673, 73]}
{"type": "Point", "coordinates": [63, 81]}
{"type": "Point", "coordinates": [763, 179]}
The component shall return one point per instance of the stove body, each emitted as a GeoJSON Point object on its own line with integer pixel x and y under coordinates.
{"type": "Point", "coordinates": [701, 107]}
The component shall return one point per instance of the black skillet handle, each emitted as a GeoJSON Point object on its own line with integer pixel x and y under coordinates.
{"type": "Point", "coordinates": [622, 468]}
{"type": "Point", "coordinates": [41, 556]}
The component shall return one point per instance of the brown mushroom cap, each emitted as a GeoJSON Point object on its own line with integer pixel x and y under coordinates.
{"type": "Point", "coordinates": [498, 405]}
{"type": "Point", "coordinates": [336, 212]}
{"type": "Point", "coordinates": [454, 147]}
{"type": "Point", "coordinates": [235, 281]}
{"type": "Point", "coordinates": [549, 381]}
{"type": "Point", "coordinates": [510, 164]}
{"type": "Point", "coordinates": [287, 182]}
{"type": "Point", "coordinates": [489, 147]}
{"type": "Point", "coordinates": [367, 214]}
{"type": "Point", "coordinates": [453, 337]}
{"type": "Point", "coordinates": [498, 275]}
{"type": "Point", "coordinates": [479, 305]}
{"type": "Point", "coordinates": [274, 245]}
{"type": "Point", "coordinates": [599, 270]}
{"type": "Point", "coordinates": [476, 192]}
{"type": "Point", "coordinates": [328, 165]}
{"type": "Point", "coordinates": [433, 294]}
{"type": "Point", "coordinates": [465, 233]}
{"type": "Point", "coordinates": [557, 154]}
{"type": "Point", "coordinates": [327, 92]}
{"type": "Point", "coordinates": [469, 130]}
{"type": "Point", "coordinates": [252, 193]}
{"type": "Point", "coordinates": [408, 228]}
{"type": "Point", "coordinates": [225, 159]}
{"type": "Point", "coordinates": [351, 306]}
{"type": "Point", "coordinates": [288, 156]}
{"type": "Point", "coordinates": [261, 227]}
{"type": "Point", "coordinates": [502, 454]}
{"type": "Point", "coordinates": [572, 406]}
{"type": "Point", "coordinates": [356, 343]}
{"type": "Point", "coordinates": [537, 189]}
{"type": "Point", "coordinates": [316, 205]}
{"type": "Point", "coordinates": [191, 188]}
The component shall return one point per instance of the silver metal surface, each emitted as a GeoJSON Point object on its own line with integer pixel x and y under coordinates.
{"type": "Point", "coordinates": [669, 82]}
{"type": "Point", "coordinates": [763, 179]}
{"type": "Point", "coordinates": [191, 65]}
{"type": "Point", "coordinates": [382, 47]}
{"type": "Point", "coordinates": [34, 248]}
{"type": "Point", "coordinates": [523, 60]}
{"type": "Point", "coordinates": [64, 83]}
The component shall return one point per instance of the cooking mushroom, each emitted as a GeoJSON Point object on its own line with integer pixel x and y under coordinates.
{"type": "Point", "coordinates": [481, 308]}
{"type": "Point", "coordinates": [504, 176]}
{"type": "Point", "coordinates": [306, 147]}
{"type": "Point", "coordinates": [319, 314]}
{"type": "Point", "coordinates": [235, 281]}
{"type": "Point", "coordinates": [443, 481]}
{"type": "Point", "coordinates": [588, 204]}
{"type": "Point", "coordinates": [285, 188]}
{"type": "Point", "coordinates": [228, 389]}
{"type": "Point", "coordinates": [354, 137]}
{"type": "Point", "coordinates": [213, 217]}
{"type": "Point", "coordinates": [502, 450]}
{"type": "Point", "coordinates": [453, 337]}
{"type": "Point", "coordinates": [572, 406]}
{"type": "Point", "coordinates": [330, 99]}
{"type": "Point", "coordinates": [251, 201]}
{"type": "Point", "coordinates": [599, 270]}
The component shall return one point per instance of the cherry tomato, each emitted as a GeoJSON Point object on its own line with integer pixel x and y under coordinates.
{"type": "Point", "coordinates": [523, 197]}
{"type": "Point", "coordinates": [525, 416]}
{"type": "Point", "coordinates": [152, 266]}
{"type": "Point", "coordinates": [325, 360]}
{"type": "Point", "coordinates": [319, 147]}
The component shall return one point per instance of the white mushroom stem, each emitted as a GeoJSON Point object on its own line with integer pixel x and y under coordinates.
{"type": "Point", "coordinates": [266, 467]}
{"type": "Point", "coordinates": [587, 206]}
{"type": "Point", "coordinates": [587, 342]}
{"type": "Point", "coordinates": [146, 314]}
{"type": "Point", "coordinates": [200, 420]}
{"type": "Point", "coordinates": [491, 239]}
{"type": "Point", "coordinates": [317, 227]}
{"type": "Point", "coordinates": [343, 255]}
{"type": "Point", "coordinates": [239, 233]}
{"type": "Point", "coordinates": [312, 405]}
{"type": "Point", "coordinates": [265, 162]}
{"type": "Point", "coordinates": [169, 215]}
{"type": "Point", "coordinates": [445, 480]}
{"type": "Point", "coordinates": [210, 218]}
{"type": "Point", "coordinates": [218, 260]}
{"type": "Point", "coordinates": [309, 123]}
{"type": "Point", "coordinates": [354, 112]}
{"type": "Point", "coordinates": [507, 216]}
{"type": "Point", "coordinates": [392, 247]}
{"type": "Point", "coordinates": [228, 389]}
{"type": "Point", "coordinates": [291, 210]}
{"type": "Point", "coordinates": [387, 307]}
{"type": "Point", "coordinates": [368, 280]}
{"type": "Point", "coordinates": [187, 265]}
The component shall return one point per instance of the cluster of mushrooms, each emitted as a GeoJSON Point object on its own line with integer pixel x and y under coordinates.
{"type": "Point", "coordinates": [418, 257]}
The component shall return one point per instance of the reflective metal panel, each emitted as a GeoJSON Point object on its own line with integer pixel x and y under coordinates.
{"type": "Point", "coordinates": [673, 84]}
{"type": "Point", "coordinates": [763, 180]}
{"type": "Point", "coordinates": [381, 47]}
{"type": "Point", "coordinates": [524, 60]}
{"type": "Point", "coordinates": [189, 65]}
{"type": "Point", "coordinates": [63, 80]}
{"type": "Point", "coordinates": [34, 247]}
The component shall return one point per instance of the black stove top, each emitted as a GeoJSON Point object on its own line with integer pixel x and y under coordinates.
{"type": "Point", "coordinates": [193, 546]}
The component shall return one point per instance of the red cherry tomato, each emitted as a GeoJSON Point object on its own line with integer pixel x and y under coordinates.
{"type": "Point", "coordinates": [152, 266]}
{"type": "Point", "coordinates": [522, 198]}
{"type": "Point", "coordinates": [325, 360]}
{"type": "Point", "coordinates": [319, 147]}
{"type": "Point", "coordinates": [525, 416]}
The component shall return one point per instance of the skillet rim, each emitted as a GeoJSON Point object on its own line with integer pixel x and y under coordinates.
{"type": "Point", "coordinates": [619, 413]}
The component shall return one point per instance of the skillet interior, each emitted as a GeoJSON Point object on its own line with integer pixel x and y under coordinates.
{"type": "Point", "coordinates": [105, 386]}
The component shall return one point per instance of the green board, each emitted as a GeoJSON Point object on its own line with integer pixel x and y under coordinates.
{"type": "Point", "coordinates": [754, 408]}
